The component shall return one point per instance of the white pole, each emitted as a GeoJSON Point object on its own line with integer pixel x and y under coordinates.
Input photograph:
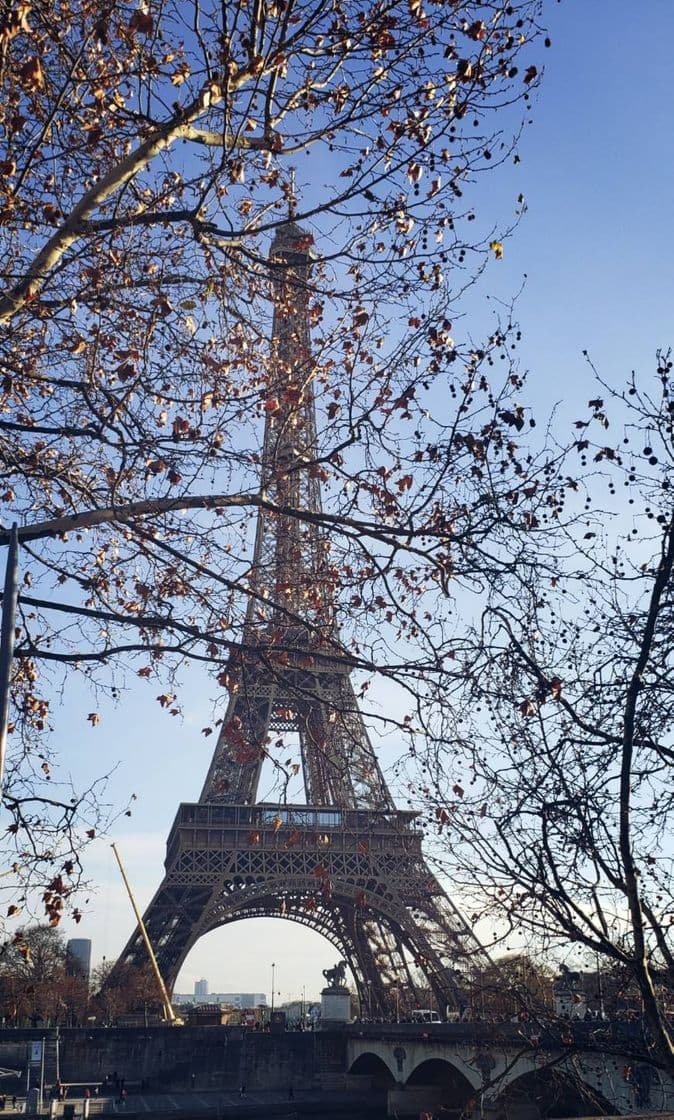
{"type": "Point", "coordinates": [41, 1074]}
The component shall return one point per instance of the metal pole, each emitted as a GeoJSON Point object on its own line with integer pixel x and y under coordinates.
{"type": "Point", "coordinates": [9, 600]}
{"type": "Point", "coordinates": [168, 1009]}
{"type": "Point", "coordinates": [600, 987]}
{"type": "Point", "coordinates": [273, 966]}
{"type": "Point", "coordinates": [42, 1074]}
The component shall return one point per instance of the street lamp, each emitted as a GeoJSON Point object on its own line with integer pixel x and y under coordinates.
{"type": "Point", "coordinates": [273, 967]}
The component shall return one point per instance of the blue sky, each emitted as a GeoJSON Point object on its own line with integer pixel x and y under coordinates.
{"type": "Point", "coordinates": [596, 170]}
{"type": "Point", "coordinates": [597, 174]}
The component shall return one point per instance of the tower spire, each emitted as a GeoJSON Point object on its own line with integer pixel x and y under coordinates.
{"type": "Point", "coordinates": [292, 196]}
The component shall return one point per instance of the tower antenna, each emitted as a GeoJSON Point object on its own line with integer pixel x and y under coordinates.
{"type": "Point", "coordinates": [292, 196]}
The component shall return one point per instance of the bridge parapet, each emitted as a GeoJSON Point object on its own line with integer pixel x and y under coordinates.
{"type": "Point", "coordinates": [605, 1036]}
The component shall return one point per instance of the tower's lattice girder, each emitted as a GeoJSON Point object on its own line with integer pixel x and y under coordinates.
{"type": "Point", "coordinates": [347, 864]}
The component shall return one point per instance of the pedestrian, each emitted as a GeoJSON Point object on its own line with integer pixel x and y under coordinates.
{"type": "Point", "coordinates": [14, 1103]}
{"type": "Point", "coordinates": [193, 1078]}
{"type": "Point", "coordinates": [291, 1093]}
{"type": "Point", "coordinates": [3, 1102]}
{"type": "Point", "coordinates": [242, 1090]}
{"type": "Point", "coordinates": [123, 1095]}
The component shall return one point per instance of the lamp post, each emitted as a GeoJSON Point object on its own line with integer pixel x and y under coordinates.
{"type": "Point", "coordinates": [9, 602]}
{"type": "Point", "coordinates": [600, 989]}
{"type": "Point", "coordinates": [41, 1075]}
{"type": "Point", "coordinates": [273, 968]}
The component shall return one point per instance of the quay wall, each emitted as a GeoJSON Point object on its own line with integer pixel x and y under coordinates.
{"type": "Point", "coordinates": [168, 1057]}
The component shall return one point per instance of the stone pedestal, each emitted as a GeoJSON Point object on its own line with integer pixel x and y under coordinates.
{"type": "Point", "coordinates": [335, 1006]}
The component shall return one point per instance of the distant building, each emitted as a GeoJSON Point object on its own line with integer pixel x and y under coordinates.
{"type": "Point", "coordinates": [78, 957]}
{"type": "Point", "coordinates": [182, 999]}
{"type": "Point", "coordinates": [232, 999]}
{"type": "Point", "coordinates": [241, 999]}
{"type": "Point", "coordinates": [569, 997]}
{"type": "Point", "coordinates": [296, 1012]}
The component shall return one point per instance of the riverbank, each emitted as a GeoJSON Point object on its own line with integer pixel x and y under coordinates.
{"type": "Point", "coordinates": [215, 1105]}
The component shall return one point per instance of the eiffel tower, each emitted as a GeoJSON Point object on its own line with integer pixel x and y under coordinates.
{"type": "Point", "coordinates": [347, 864]}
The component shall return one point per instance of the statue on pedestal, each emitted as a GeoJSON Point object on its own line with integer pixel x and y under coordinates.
{"type": "Point", "coordinates": [335, 977]}
{"type": "Point", "coordinates": [335, 998]}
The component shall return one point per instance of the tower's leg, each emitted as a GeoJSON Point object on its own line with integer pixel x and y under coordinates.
{"type": "Point", "coordinates": [173, 921]}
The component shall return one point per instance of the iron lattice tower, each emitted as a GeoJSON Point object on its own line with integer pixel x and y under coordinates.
{"type": "Point", "coordinates": [347, 864]}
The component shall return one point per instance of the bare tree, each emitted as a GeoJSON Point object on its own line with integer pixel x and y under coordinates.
{"type": "Point", "coordinates": [557, 734]}
{"type": "Point", "coordinates": [516, 987]}
{"type": "Point", "coordinates": [146, 168]}
{"type": "Point", "coordinates": [34, 985]}
{"type": "Point", "coordinates": [133, 992]}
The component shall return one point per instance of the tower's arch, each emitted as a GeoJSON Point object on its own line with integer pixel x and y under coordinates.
{"type": "Point", "coordinates": [358, 877]}
{"type": "Point", "coordinates": [238, 956]}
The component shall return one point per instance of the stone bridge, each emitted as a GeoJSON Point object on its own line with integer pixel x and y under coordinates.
{"type": "Point", "coordinates": [504, 1072]}
{"type": "Point", "coordinates": [512, 1072]}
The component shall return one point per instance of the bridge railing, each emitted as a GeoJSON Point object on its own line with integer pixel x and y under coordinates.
{"type": "Point", "coordinates": [592, 1036]}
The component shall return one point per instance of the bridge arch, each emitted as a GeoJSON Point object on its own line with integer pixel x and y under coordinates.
{"type": "Point", "coordinates": [554, 1092]}
{"type": "Point", "coordinates": [375, 1068]}
{"type": "Point", "coordinates": [442, 1075]}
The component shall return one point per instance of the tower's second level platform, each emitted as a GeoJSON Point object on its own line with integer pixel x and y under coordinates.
{"type": "Point", "coordinates": [268, 826]}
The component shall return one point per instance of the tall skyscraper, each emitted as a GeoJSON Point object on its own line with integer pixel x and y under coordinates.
{"type": "Point", "coordinates": [201, 990]}
{"type": "Point", "coordinates": [78, 957]}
